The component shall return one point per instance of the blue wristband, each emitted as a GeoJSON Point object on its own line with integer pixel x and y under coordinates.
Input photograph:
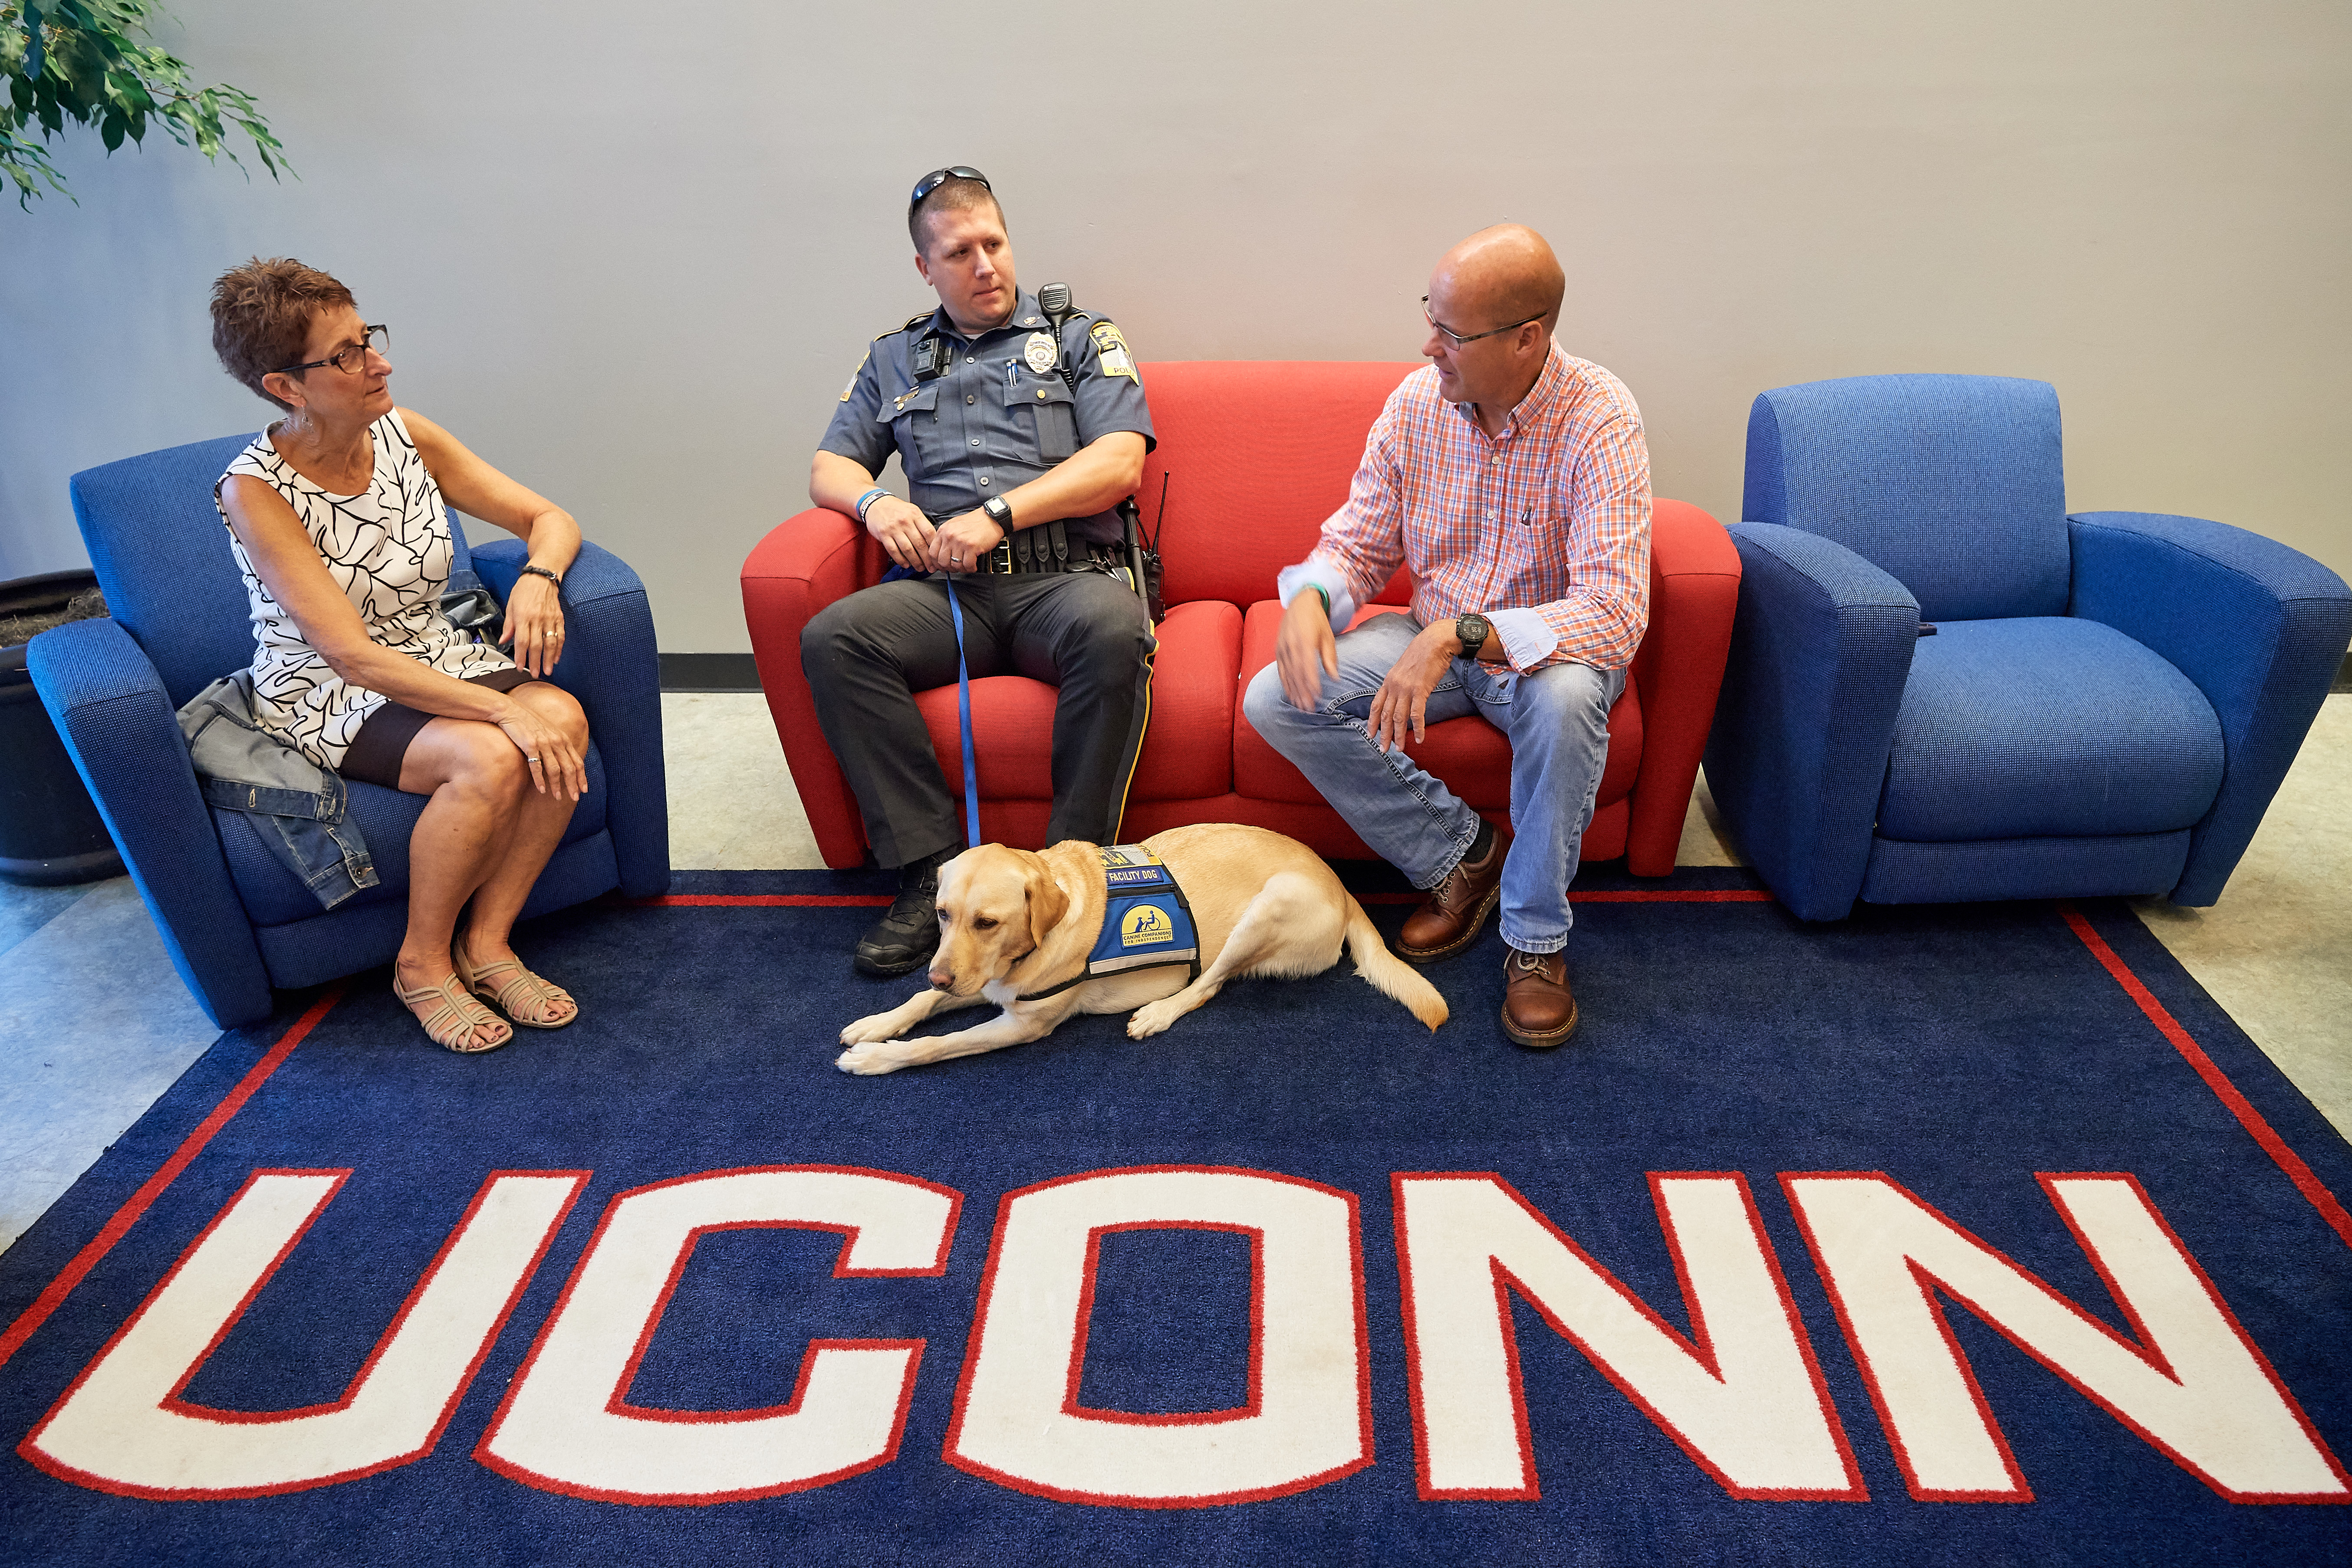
{"type": "Point", "coordinates": [868, 500]}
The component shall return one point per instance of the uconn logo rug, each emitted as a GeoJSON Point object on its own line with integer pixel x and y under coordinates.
{"type": "Point", "coordinates": [1974, 1236]}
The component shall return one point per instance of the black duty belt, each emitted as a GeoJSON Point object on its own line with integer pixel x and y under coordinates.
{"type": "Point", "coordinates": [1047, 547]}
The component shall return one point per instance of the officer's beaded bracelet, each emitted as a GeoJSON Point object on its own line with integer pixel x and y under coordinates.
{"type": "Point", "coordinates": [868, 500]}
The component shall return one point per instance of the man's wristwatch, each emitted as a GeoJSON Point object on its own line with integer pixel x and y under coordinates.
{"type": "Point", "coordinates": [1472, 629]}
{"type": "Point", "coordinates": [1000, 512]}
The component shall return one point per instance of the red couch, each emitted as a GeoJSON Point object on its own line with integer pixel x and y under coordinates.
{"type": "Point", "coordinates": [1252, 457]}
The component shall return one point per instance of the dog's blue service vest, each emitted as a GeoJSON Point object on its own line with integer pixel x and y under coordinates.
{"type": "Point", "coordinates": [1147, 922]}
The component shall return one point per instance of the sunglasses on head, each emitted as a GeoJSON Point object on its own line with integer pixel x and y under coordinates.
{"type": "Point", "coordinates": [938, 177]}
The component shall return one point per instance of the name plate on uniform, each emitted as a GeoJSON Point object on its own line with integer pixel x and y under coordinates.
{"type": "Point", "coordinates": [1146, 921]}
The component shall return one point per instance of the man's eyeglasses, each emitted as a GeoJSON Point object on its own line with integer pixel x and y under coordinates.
{"type": "Point", "coordinates": [351, 360]}
{"type": "Point", "coordinates": [1458, 339]}
{"type": "Point", "coordinates": [938, 177]}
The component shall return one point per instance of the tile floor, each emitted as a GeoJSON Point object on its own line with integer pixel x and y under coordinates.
{"type": "Point", "coordinates": [2273, 951]}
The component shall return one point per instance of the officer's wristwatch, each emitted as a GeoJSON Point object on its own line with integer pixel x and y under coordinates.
{"type": "Point", "coordinates": [1472, 629]}
{"type": "Point", "coordinates": [1000, 512]}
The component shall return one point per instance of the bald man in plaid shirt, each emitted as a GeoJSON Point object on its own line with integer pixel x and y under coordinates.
{"type": "Point", "coordinates": [1512, 478]}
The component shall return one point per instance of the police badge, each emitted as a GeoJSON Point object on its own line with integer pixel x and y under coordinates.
{"type": "Point", "coordinates": [1041, 352]}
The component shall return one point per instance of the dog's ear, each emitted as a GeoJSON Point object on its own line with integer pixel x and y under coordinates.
{"type": "Point", "coordinates": [1047, 903]}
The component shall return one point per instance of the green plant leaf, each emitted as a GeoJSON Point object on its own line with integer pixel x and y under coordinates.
{"type": "Point", "coordinates": [27, 166]}
{"type": "Point", "coordinates": [91, 61]}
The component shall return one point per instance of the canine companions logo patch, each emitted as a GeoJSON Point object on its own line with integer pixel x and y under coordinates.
{"type": "Point", "coordinates": [1146, 925]}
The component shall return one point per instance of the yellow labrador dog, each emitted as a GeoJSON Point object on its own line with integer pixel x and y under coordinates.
{"type": "Point", "coordinates": [1015, 923]}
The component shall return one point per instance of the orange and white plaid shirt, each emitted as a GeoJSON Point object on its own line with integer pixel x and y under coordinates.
{"type": "Point", "coordinates": [1544, 529]}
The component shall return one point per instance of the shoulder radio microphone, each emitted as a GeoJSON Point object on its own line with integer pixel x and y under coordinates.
{"type": "Point", "coordinates": [1053, 299]}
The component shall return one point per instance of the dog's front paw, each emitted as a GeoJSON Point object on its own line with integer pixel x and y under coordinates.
{"type": "Point", "coordinates": [1152, 1017]}
{"type": "Point", "coordinates": [866, 1061]}
{"type": "Point", "coordinates": [877, 1026]}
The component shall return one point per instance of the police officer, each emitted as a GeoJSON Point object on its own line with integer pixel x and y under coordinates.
{"type": "Point", "coordinates": [1014, 470]}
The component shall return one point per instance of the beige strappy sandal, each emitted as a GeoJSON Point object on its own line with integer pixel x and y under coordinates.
{"type": "Point", "coordinates": [454, 1017]}
{"type": "Point", "coordinates": [519, 985]}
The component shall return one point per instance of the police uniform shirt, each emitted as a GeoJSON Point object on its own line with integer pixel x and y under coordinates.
{"type": "Point", "coordinates": [999, 415]}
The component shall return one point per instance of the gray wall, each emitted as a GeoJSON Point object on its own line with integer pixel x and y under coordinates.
{"type": "Point", "coordinates": [630, 254]}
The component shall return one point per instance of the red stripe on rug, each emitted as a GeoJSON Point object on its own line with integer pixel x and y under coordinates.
{"type": "Point", "coordinates": [759, 900]}
{"type": "Point", "coordinates": [73, 1273]}
{"type": "Point", "coordinates": [2313, 1191]}
{"type": "Point", "coordinates": [840, 901]}
{"type": "Point", "coordinates": [1637, 895]}
{"type": "Point", "coordinates": [1664, 896]}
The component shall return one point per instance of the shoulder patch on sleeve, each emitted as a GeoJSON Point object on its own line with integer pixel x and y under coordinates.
{"type": "Point", "coordinates": [1110, 349]}
{"type": "Point", "coordinates": [851, 386]}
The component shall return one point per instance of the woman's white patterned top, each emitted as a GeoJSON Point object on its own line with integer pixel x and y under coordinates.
{"type": "Point", "coordinates": [388, 549]}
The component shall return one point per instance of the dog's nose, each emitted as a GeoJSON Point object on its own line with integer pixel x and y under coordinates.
{"type": "Point", "coordinates": [941, 980]}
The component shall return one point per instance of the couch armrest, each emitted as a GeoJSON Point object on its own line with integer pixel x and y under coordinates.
{"type": "Point", "coordinates": [110, 710]}
{"type": "Point", "coordinates": [804, 564]}
{"type": "Point", "coordinates": [611, 665]}
{"type": "Point", "coordinates": [2259, 627]}
{"type": "Point", "coordinates": [1693, 594]}
{"type": "Point", "coordinates": [1821, 649]}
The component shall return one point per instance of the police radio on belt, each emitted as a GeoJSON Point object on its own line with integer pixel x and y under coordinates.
{"type": "Point", "coordinates": [1141, 563]}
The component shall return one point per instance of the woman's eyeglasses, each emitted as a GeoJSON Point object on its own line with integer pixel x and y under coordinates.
{"type": "Point", "coordinates": [351, 360]}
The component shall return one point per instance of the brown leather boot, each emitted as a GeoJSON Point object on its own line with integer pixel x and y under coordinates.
{"type": "Point", "coordinates": [1448, 921]}
{"type": "Point", "coordinates": [1538, 1009]}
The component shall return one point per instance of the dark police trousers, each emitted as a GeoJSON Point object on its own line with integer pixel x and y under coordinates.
{"type": "Point", "coordinates": [865, 655]}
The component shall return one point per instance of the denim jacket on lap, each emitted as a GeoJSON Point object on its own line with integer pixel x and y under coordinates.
{"type": "Point", "coordinates": [299, 808]}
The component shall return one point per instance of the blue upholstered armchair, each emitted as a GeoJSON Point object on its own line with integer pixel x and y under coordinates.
{"type": "Point", "coordinates": [235, 921]}
{"type": "Point", "coordinates": [2108, 703]}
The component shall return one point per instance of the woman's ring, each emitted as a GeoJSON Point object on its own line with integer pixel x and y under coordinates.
{"type": "Point", "coordinates": [529, 758]}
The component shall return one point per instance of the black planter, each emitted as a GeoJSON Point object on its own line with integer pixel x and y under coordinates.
{"type": "Point", "coordinates": [49, 832]}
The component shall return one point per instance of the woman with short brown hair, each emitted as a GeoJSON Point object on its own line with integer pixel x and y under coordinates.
{"type": "Point", "coordinates": [335, 516]}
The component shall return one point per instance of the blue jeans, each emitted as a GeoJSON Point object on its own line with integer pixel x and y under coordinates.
{"type": "Point", "coordinates": [1558, 721]}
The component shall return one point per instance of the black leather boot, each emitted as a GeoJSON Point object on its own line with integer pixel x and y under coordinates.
{"type": "Point", "coordinates": [904, 939]}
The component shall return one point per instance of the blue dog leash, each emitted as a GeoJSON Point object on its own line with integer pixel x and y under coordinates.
{"type": "Point", "coordinates": [963, 716]}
